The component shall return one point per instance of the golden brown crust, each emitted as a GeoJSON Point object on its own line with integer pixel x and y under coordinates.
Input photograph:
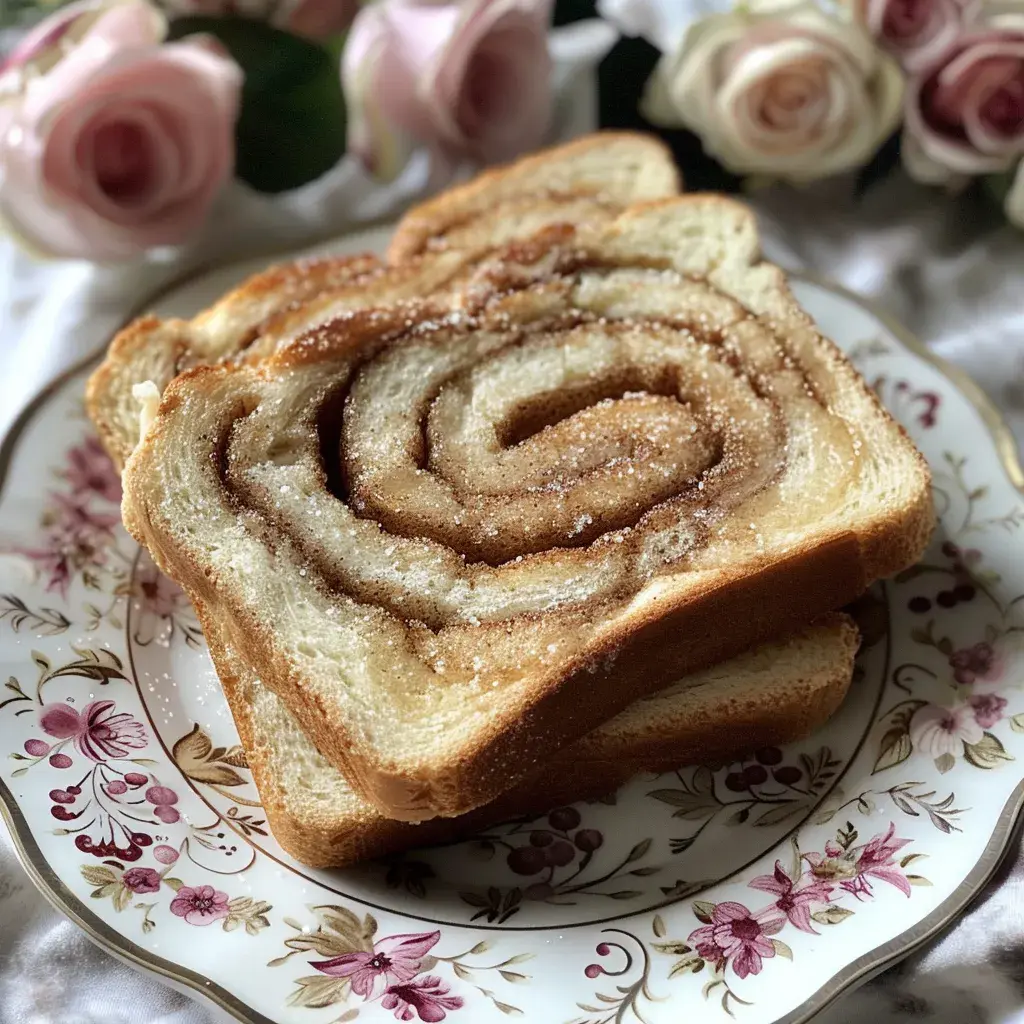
{"type": "Point", "coordinates": [426, 225]}
{"type": "Point", "coordinates": [285, 297]}
{"type": "Point", "coordinates": [711, 725]}
{"type": "Point", "coordinates": [151, 349]}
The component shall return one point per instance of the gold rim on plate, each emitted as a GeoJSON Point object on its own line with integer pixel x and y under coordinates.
{"type": "Point", "coordinates": [62, 899]}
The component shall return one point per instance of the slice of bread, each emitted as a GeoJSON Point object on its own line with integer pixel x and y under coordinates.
{"type": "Point", "coordinates": [590, 180]}
{"type": "Point", "coordinates": [582, 182]}
{"type": "Point", "coordinates": [456, 536]}
{"type": "Point", "coordinates": [775, 694]}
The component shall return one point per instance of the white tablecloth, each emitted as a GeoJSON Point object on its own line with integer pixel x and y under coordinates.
{"type": "Point", "coordinates": [949, 270]}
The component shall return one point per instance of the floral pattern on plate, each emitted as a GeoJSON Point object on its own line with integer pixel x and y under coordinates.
{"type": "Point", "coordinates": [689, 893]}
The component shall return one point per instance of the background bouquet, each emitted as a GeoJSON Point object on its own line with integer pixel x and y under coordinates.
{"type": "Point", "coordinates": [122, 121]}
{"type": "Point", "coordinates": [798, 90]}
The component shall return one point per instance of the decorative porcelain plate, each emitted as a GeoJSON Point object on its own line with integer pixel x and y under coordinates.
{"type": "Point", "coordinates": [759, 890]}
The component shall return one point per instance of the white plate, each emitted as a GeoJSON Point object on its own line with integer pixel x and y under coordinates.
{"type": "Point", "coordinates": [762, 889]}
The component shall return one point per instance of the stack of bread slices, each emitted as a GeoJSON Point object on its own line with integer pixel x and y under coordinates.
{"type": "Point", "coordinates": [563, 488]}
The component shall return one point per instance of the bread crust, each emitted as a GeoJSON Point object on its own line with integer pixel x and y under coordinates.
{"type": "Point", "coordinates": [710, 726]}
{"type": "Point", "coordinates": [425, 226]}
{"type": "Point", "coordinates": [283, 297]}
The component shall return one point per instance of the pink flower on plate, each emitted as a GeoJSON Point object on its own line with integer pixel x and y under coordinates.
{"type": "Point", "coordinates": [988, 709]}
{"type": "Point", "coordinates": [116, 143]}
{"type": "Point", "coordinates": [97, 731]}
{"type": "Point", "coordinates": [76, 539]}
{"type": "Point", "coordinates": [876, 859]}
{"type": "Point", "coordinates": [426, 997]}
{"type": "Point", "coordinates": [90, 471]}
{"type": "Point", "coordinates": [965, 109]}
{"type": "Point", "coordinates": [469, 80]}
{"type": "Point", "coordinates": [915, 31]}
{"type": "Point", "coordinates": [158, 595]}
{"type": "Point", "coordinates": [940, 732]}
{"type": "Point", "coordinates": [980, 661]}
{"type": "Point", "coordinates": [201, 905]}
{"type": "Point", "coordinates": [394, 960]}
{"type": "Point", "coordinates": [794, 904]}
{"type": "Point", "coordinates": [141, 880]}
{"type": "Point", "coordinates": [738, 937]}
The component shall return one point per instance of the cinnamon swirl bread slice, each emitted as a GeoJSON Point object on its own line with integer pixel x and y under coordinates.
{"type": "Point", "coordinates": [455, 537]}
{"type": "Point", "coordinates": [591, 179]}
{"type": "Point", "coordinates": [583, 182]}
{"type": "Point", "coordinates": [775, 694]}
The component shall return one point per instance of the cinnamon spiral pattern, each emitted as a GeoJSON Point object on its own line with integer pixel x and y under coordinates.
{"type": "Point", "coordinates": [412, 513]}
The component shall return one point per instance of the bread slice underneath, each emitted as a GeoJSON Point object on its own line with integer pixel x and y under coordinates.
{"type": "Point", "coordinates": [774, 694]}
{"type": "Point", "coordinates": [589, 180]}
{"type": "Point", "coordinates": [585, 181]}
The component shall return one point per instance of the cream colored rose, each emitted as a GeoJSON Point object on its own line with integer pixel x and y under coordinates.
{"type": "Point", "coordinates": [779, 89]}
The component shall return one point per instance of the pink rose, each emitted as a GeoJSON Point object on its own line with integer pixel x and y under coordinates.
{"type": "Point", "coordinates": [965, 110]}
{"type": "Point", "coordinates": [315, 19]}
{"type": "Point", "coordinates": [120, 144]}
{"type": "Point", "coordinates": [915, 31]}
{"type": "Point", "coordinates": [469, 80]}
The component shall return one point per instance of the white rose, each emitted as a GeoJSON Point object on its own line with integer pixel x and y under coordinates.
{"type": "Point", "coordinates": [779, 89]}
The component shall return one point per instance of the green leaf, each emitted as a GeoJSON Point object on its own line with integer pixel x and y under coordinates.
{"type": "Point", "coordinates": [911, 857]}
{"type": "Point", "coordinates": [918, 880]}
{"type": "Point", "coordinates": [291, 125]}
{"type": "Point", "coordinates": [945, 763]}
{"type": "Point", "coordinates": [782, 949]}
{"type": "Point", "coordinates": [511, 1011]}
{"type": "Point", "coordinates": [638, 851]}
{"type": "Point", "coordinates": [513, 976]}
{"type": "Point", "coordinates": [703, 910]}
{"type": "Point", "coordinates": [673, 947]}
{"type": "Point", "coordinates": [833, 915]}
{"type": "Point", "coordinates": [519, 958]}
{"type": "Point", "coordinates": [1017, 723]}
{"type": "Point", "coordinates": [122, 897]}
{"type": "Point", "coordinates": [658, 926]}
{"type": "Point", "coordinates": [690, 963]}
{"type": "Point", "coordinates": [988, 752]}
{"type": "Point", "coordinates": [100, 875]}
{"type": "Point", "coordinates": [277, 961]}
{"type": "Point", "coordinates": [319, 990]}
{"type": "Point", "coordinates": [779, 813]}
{"type": "Point", "coordinates": [894, 749]}
{"type": "Point", "coordinates": [691, 806]}
{"type": "Point", "coordinates": [174, 883]}
{"type": "Point", "coordinates": [215, 775]}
